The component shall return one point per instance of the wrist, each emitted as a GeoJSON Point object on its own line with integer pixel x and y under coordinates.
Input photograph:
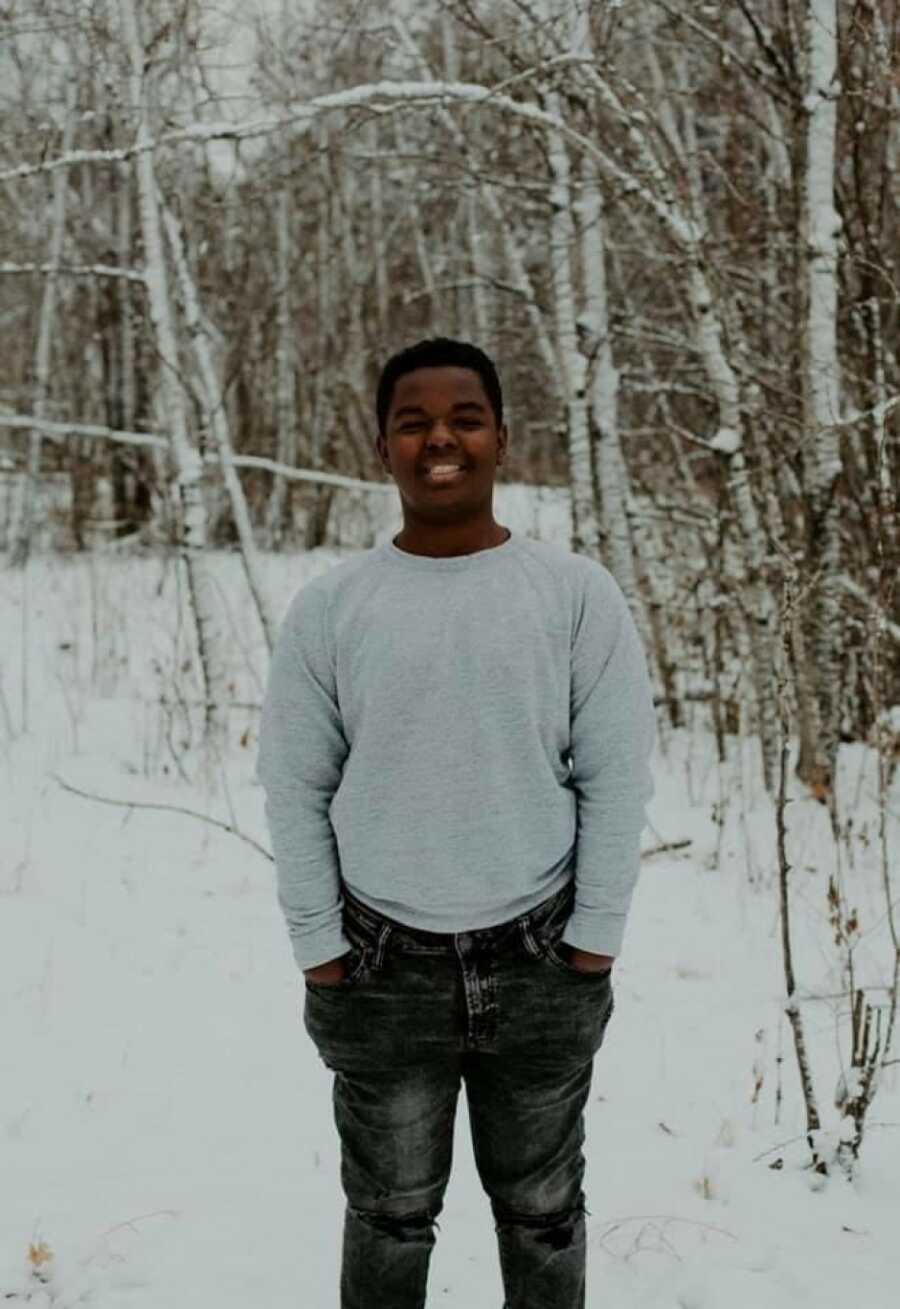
{"type": "Point", "coordinates": [590, 962]}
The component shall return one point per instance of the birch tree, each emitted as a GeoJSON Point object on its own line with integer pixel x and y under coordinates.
{"type": "Point", "coordinates": [822, 380]}
{"type": "Point", "coordinates": [206, 609]}
{"type": "Point", "coordinates": [217, 421]}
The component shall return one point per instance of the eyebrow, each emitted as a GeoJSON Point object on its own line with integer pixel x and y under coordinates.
{"type": "Point", "coordinates": [407, 410]}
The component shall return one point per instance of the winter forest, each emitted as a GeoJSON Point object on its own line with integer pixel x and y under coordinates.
{"type": "Point", "coordinates": [676, 228]}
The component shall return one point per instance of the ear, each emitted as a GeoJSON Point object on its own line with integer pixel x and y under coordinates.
{"type": "Point", "coordinates": [502, 439]}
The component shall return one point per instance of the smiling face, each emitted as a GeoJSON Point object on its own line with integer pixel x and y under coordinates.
{"type": "Point", "coordinates": [443, 417]}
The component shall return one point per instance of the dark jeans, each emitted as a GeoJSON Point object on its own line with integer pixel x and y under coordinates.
{"type": "Point", "coordinates": [418, 1013]}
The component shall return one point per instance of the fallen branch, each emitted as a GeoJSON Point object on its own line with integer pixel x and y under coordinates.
{"type": "Point", "coordinates": [170, 808]}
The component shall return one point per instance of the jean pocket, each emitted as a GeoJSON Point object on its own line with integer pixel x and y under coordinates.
{"type": "Point", "coordinates": [553, 956]}
{"type": "Point", "coordinates": [357, 963]}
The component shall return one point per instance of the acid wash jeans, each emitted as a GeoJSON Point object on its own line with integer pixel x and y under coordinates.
{"type": "Point", "coordinates": [418, 1013]}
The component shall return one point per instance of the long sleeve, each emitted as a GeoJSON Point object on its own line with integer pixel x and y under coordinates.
{"type": "Point", "coordinates": [301, 755]}
{"type": "Point", "coordinates": [613, 730]}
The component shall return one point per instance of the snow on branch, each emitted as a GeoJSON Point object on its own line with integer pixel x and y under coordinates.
{"type": "Point", "coordinates": [57, 430]}
{"type": "Point", "coordinates": [303, 116]}
{"type": "Point", "coordinates": [311, 475]}
{"type": "Point", "coordinates": [75, 270]}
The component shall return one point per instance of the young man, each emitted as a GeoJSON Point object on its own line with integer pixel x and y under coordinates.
{"type": "Point", "coordinates": [454, 748]}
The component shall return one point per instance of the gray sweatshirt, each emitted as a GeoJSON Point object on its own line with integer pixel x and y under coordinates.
{"type": "Point", "coordinates": [454, 740]}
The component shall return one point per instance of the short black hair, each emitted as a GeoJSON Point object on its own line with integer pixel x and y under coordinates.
{"type": "Point", "coordinates": [437, 352]}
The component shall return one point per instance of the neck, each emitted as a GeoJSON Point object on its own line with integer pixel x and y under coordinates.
{"type": "Point", "coordinates": [447, 540]}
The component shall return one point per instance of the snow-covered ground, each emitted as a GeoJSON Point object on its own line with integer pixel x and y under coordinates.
{"type": "Point", "coordinates": [166, 1138]}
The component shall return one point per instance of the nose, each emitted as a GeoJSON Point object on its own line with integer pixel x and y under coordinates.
{"type": "Point", "coordinates": [440, 435]}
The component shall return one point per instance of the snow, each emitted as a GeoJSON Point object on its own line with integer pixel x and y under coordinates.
{"type": "Point", "coordinates": [727, 440]}
{"type": "Point", "coordinates": [166, 1125]}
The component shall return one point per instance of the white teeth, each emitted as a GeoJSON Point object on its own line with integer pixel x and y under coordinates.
{"type": "Point", "coordinates": [446, 468]}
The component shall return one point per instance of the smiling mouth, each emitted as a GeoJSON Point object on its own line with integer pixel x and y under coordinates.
{"type": "Point", "coordinates": [442, 473]}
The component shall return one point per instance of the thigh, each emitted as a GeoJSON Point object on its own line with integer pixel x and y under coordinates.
{"type": "Point", "coordinates": [389, 1036]}
{"type": "Point", "coordinates": [527, 1124]}
{"type": "Point", "coordinates": [396, 1132]}
{"type": "Point", "coordinates": [527, 1095]}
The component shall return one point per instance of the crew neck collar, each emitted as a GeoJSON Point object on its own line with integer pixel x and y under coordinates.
{"type": "Point", "coordinates": [450, 563]}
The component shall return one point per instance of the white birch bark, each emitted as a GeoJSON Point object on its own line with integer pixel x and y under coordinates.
{"type": "Point", "coordinates": [211, 636]}
{"type": "Point", "coordinates": [26, 500]}
{"type": "Point", "coordinates": [585, 524]}
{"type": "Point", "coordinates": [585, 527]}
{"type": "Point", "coordinates": [74, 270]}
{"type": "Point", "coordinates": [690, 230]}
{"type": "Point", "coordinates": [612, 475]}
{"type": "Point", "coordinates": [822, 369]}
{"type": "Point", "coordinates": [585, 521]}
{"type": "Point", "coordinates": [729, 442]}
{"type": "Point", "coordinates": [596, 346]}
{"type": "Point", "coordinates": [217, 423]}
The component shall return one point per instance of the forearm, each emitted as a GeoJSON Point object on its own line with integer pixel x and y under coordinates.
{"type": "Point", "coordinates": [613, 731]}
{"type": "Point", "coordinates": [308, 879]}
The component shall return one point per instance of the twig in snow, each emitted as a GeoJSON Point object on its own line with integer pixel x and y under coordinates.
{"type": "Point", "coordinates": [171, 808]}
{"type": "Point", "coordinates": [129, 1222]}
{"type": "Point", "coordinates": [666, 845]}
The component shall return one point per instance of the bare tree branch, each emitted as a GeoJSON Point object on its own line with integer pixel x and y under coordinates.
{"type": "Point", "coordinates": [164, 808]}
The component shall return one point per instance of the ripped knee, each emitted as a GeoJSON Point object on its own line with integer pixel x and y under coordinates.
{"type": "Point", "coordinates": [557, 1230]}
{"type": "Point", "coordinates": [402, 1227]}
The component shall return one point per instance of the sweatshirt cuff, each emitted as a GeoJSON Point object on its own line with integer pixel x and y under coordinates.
{"type": "Point", "coordinates": [320, 948]}
{"type": "Point", "coordinates": [598, 933]}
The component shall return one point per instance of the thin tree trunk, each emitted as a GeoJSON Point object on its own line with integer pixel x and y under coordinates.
{"type": "Point", "coordinates": [320, 501]}
{"type": "Point", "coordinates": [612, 475]}
{"type": "Point", "coordinates": [217, 423]}
{"type": "Point", "coordinates": [792, 1008]}
{"type": "Point", "coordinates": [128, 400]}
{"type": "Point", "coordinates": [481, 315]}
{"type": "Point", "coordinates": [822, 387]}
{"type": "Point", "coordinates": [206, 608]}
{"type": "Point", "coordinates": [379, 259]}
{"type": "Point", "coordinates": [286, 409]}
{"type": "Point", "coordinates": [585, 524]}
{"type": "Point", "coordinates": [423, 254]}
{"type": "Point", "coordinates": [26, 500]}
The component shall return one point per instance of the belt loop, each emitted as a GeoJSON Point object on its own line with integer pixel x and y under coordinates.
{"type": "Point", "coordinates": [381, 945]}
{"type": "Point", "coordinates": [528, 940]}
